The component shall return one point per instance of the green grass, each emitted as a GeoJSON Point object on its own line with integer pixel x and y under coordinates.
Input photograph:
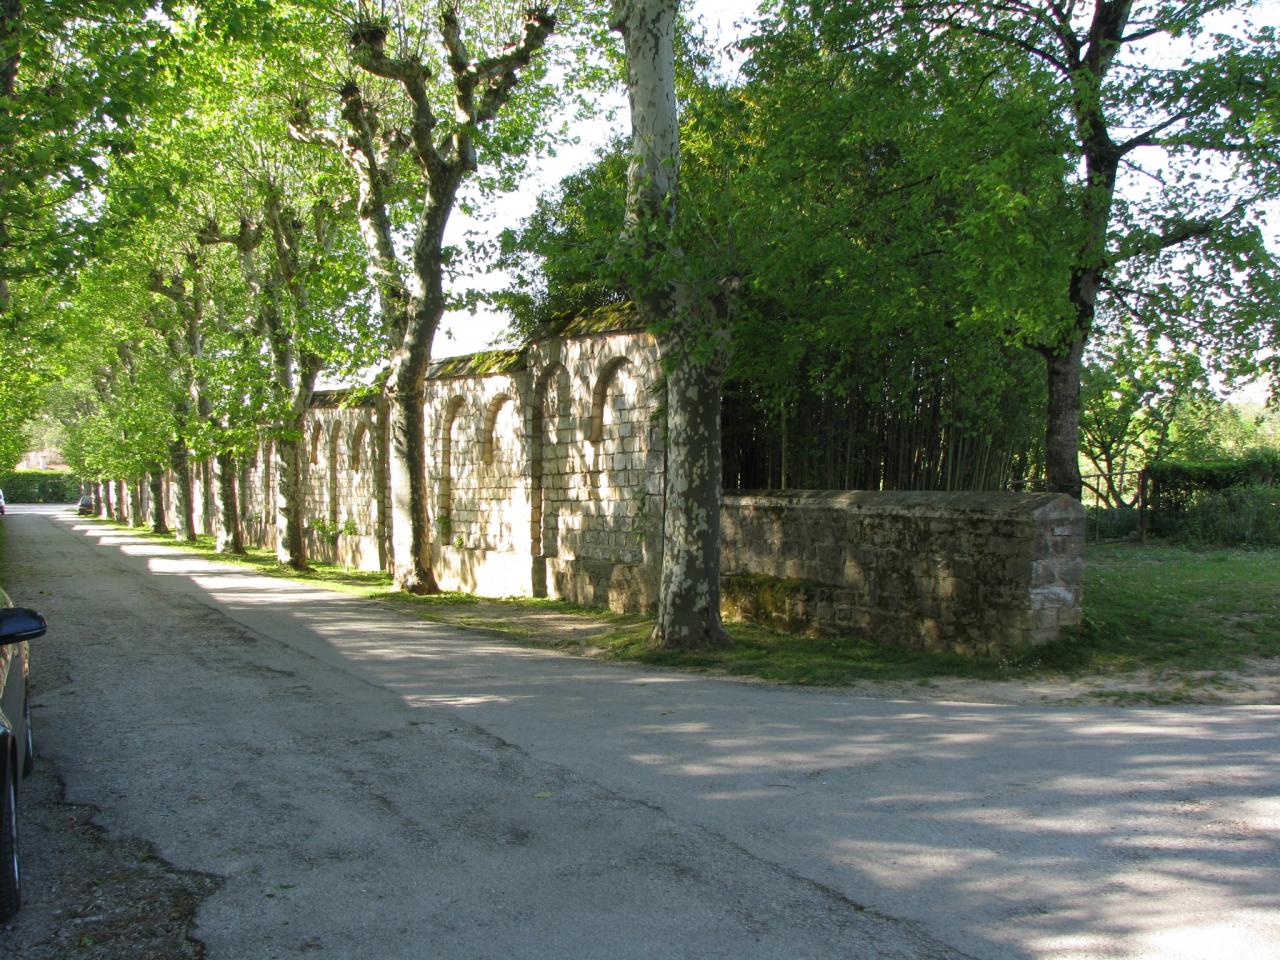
{"type": "Point", "coordinates": [1155, 606]}
{"type": "Point", "coordinates": [1169, 609]}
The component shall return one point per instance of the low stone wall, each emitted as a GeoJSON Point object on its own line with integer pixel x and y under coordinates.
{"type": "Point", "coordinates": [971, 573]}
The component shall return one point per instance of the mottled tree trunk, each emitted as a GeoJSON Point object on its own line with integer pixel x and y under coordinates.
{"type": "Point", "coordinates": [230, 537]}
{"type": "Point", "coordinates": [135, 502]}
{"type": "Point", "coordinates": [1062, 431]}
{"type": "Point", "coordinates": [408, 489]}
{"type": "Point", "coordinates": [180, 463]}
{"type": "Point", "coordinates": [104, 500]}
{"type": "Point", "coordinates": [689, 594]}
{"type": "Point", "coordinates": [411, 303]}
{"type": "Point", "coordinates": [382, 483]}
{"type": "Point", "coordinates": [158, 522]}
{"type": "Point", "coordinates": [209, 497]}
{"type": "Point", "coordinates": [690, 330]}
{"type": "Point", "coordinates": [121, 511]}
{"type": "Point", "coordinates": [291, 538]}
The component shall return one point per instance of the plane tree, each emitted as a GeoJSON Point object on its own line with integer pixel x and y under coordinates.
{"type": "Point", "coordinates": [427, 100]}
{"type": "Point", "coordinates": [689, 308]}
{"type": "Point", "coordinates": [239, 198]}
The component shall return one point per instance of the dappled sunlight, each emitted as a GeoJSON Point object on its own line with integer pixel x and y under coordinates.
{"type": "Point", "coordinates": [1211, 939]}
{"type": "Point", "coordinates": [450, 701]}
{"type": "Point", "coordinates": [654, 680]}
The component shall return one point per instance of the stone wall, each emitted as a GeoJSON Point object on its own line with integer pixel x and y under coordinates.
{"type": "Point", "coordinates": [257, 492]}
{"type": "Point", "coordinates": [343, 482]}
{"type": "Point", "coordinates": [972, 573]}
{"type": "Point", "coordinates": [546, 468]}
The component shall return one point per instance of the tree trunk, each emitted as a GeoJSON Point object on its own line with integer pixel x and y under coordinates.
{"type": "Point", "coordinates": [291, 539]}
{"type": "Point", "coordinates": [689, 594]}
{"type": "Point", "coordinates": [230, 537]}
{"type": "Point", "coordinates": [1062, 433]}
{"type": "Point", "coordinates": [136, 518]}
{"type": "Point", "coordinates": [408, 489]}
{"type": "Point", "coordinates": [691, 335]}
{"type": "Point", "coordinates": [180, 462]}
{"type": "Point", "coordinates": [209, 498]}
{"type": "Point", "coordinates": [105, 499]}
{"type": "Point", "coordinates": [158, 522]}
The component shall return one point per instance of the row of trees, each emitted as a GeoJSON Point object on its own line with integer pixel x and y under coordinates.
{"type": "Point", "coordinates": [871, 237]}
{"type": "Point", "coordinates": [271, 203]}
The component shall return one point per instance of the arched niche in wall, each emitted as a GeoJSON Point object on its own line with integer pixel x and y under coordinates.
{"type": "Point", "coordinates": [315, 452]}
{"type": "Point", "coordinates": [361, 461]}
{"type": "Point", "coordinates": [548, 455]}
{"type": "Point", "coordinates": [614, 373]}
{"type": "Point", "coordinates": [449, 446]}
{"type": "Point", "coordinates": [335, 467]}
{"type": "Point", "coordinates": [317, 441]}
{"type": "Point", "coordinates": [615, 455]}
{"type": "Point", "coordinates": [491, 434]}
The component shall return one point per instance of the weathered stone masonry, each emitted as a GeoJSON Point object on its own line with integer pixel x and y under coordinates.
{"type": "Point", "coordinates": [975, 573]}
{"type": "Point", "coordinates": [546, 467]}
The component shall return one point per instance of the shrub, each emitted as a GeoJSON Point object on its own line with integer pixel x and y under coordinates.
{"type": "Point", "coordinates": [39, 486]}
{"type": "Point", "coordinates": [1243, 516]}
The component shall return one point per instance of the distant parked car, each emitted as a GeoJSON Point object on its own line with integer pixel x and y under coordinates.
{"type": "Point", "coordinates": [1, 503]}
{"type": "Point", "coordinates": [17, 747]}
{"type": "Point", "coordinates": [86, 506]}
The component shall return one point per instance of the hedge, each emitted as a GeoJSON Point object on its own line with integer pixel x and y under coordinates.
{"type": "Point", "coordinates": [1176, 486]}
{"type": "Point", "coordinates": [39, 486]}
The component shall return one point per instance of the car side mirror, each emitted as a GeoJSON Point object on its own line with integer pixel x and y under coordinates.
{"type": "Point", "coordinates": [19, 623]}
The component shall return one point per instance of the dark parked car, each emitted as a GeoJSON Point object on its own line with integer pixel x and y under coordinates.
{"type": "Point", "coordinates": [17, 753]}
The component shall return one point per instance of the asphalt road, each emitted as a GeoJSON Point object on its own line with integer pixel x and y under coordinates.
{"type": "Point", "coordinates": [373, 786]}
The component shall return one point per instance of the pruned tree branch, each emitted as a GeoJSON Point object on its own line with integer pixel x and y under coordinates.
{"type": "Point", "coordinates": [1148, 137]}
{"type": "Point", "coordinates": [368, 50]}
{"type": "Point", "coordinates": [1175, 232]}
{"type": "Point", "coordinates": [247, 236]}
{"type": "Point", "coordinates": [304, 130]}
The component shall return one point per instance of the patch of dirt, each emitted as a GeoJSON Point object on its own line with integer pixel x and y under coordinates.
{"type": "Point", "coordinates": [91, 896]}
{"type": "Point", "coordinates": [1256, 684]}
{"type": "Point", "coordinates": [554, 624]}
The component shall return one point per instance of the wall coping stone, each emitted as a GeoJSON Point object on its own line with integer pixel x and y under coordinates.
{"type": "Point", "coordinates": [919, 503]}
